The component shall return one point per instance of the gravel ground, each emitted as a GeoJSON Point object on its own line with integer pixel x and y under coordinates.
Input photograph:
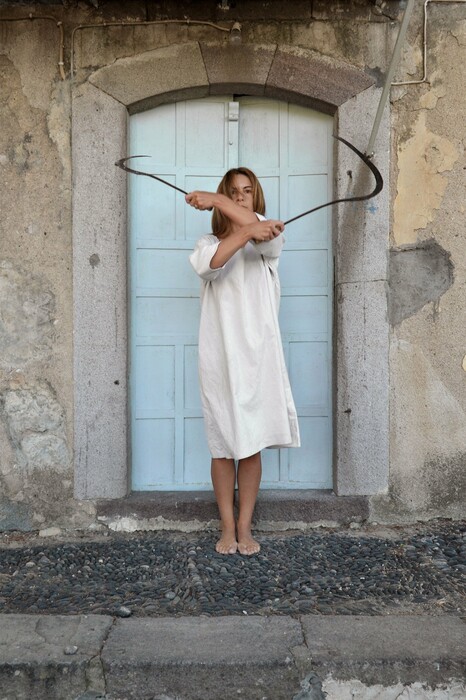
{"type": "Point", "coordinates": [418, 571]}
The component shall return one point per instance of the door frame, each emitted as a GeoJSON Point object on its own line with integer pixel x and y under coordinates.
{"type": "Point", "coordinates": [100, 108]}
{"type": "Point", "coordinates": [154, 449]}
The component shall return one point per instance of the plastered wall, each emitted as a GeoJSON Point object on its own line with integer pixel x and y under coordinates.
{"type": "Point", "coordinates": [427, 258]}
{"type": "Point", "coordinates": [427, 278]}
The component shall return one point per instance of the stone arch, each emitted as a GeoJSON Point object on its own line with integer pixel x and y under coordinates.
{"type": "Point", "coordinates": [100, 109]}
{"type": "Point", "coordinates": [193, 70]}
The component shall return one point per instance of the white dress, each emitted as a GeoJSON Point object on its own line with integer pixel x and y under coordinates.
{"type": "Point", "coordinates": [245, 391]}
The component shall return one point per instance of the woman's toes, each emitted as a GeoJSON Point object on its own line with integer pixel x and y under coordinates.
{"type": "Point", "coordinates": [226, 545]}
{"type": "Point", "coordinates": [248, 546]}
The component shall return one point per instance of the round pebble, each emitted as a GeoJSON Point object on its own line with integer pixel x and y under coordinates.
{"type": "Point", "coordinates": [123, 611]}
{"type": "Point", "coordinates": [322, 572]}
{"type": "Point", "coordinates": [70, 651]}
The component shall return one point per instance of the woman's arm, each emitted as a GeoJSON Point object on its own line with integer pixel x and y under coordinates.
{"type": "Point", "coordinates": [258, 231]}
{"type": "Point", "coordinates": [206, 200]}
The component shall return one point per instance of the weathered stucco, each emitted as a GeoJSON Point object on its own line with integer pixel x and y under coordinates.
{"type": "Point", "coordinates": [427, 305]}
{"type": "Point", "coordinates": [427, 264]}
{"type": "Point", "coordinates": [422, 160]}
{"type": "Point", "coordinates": [428, 441]}
{"type": "Point", "coordinates": [36, 408]}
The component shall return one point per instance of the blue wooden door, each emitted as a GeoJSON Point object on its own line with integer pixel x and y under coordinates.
{"type": "Point", "coordinates": [192, 144]}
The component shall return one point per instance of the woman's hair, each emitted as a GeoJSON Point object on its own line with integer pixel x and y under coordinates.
{"type": "Point", "coordinates": [220, 222]}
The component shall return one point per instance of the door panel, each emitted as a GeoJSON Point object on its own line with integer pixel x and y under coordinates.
{"type": "Point", "coordinates": [192, 144]}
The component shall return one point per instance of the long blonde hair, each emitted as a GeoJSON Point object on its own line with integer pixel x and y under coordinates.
{"type": "Point", "coordinates": [220, 222]}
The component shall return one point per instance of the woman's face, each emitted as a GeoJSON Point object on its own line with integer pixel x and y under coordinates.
{"type": "Point", "coordinates": [241, 192]}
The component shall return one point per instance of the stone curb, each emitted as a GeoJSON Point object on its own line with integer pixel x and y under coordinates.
{"type": "Point", "coordinates": [59, 657]}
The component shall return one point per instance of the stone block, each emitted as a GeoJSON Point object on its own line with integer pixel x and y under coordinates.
{"type": "Point", "coordinates": [33, 663]}
{"type": "Point", "coordinates": [236, 69]}
{"type": "Point", "coordinates": [362, 393]}
{"type": "Point", "coordinates": [302, 74]}
{"type": "Point", "coordinates": [14, 516]}
{"type": "Point", "coordinates": [170, 69]}
{"type": "Point", "coordinates": [227, 657]}
{"type": "Point", "coordinates": [170, 505]}
{"type": "Point", "coordinates": [362, 241]}
{"type": "Point", "coordinates": [189, 510]}
{"type": "Point", "coordinates": [99, 274]}
{"type": "Point", "coordinates": [313, 506]}
{"type": "Point", "coordinates": [387, 649]}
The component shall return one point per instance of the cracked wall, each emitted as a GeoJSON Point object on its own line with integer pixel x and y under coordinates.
{"type": "Point", "coordinates": [427, 279]}
{"type": "Point", "coordinates": [36, 419]}
{"type": "Point", "coordinates": [427, 261]}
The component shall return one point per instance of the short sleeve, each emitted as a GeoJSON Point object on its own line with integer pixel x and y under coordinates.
{"type": "Point", "coordinates": [200, 258]}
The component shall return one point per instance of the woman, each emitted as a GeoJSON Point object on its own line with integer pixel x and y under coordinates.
{"type": "Point", "coordinates": [245, 391]}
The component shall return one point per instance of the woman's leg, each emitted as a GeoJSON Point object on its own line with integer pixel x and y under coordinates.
{"type": "Point", "coordinates": [249, 478]}
{"type": "Point", "coordinates": [223, 479]}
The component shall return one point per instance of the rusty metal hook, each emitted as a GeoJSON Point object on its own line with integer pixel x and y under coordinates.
{"type": "Point", "coordinates": [375, 171]}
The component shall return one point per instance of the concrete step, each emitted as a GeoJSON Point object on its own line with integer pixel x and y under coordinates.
{"type": "Point", "coordinates": [58, 657]}
{"type": "Point", "coordinates": [197, 510]}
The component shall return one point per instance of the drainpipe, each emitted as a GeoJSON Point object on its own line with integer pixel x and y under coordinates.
{"type": "Point", "coordinates": [388, 80]}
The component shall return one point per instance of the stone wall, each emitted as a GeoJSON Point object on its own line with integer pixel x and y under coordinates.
{"type": "Point", "coordinates": [427, 260]}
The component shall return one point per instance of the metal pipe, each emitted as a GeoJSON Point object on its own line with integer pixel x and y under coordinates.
{"type": "Point", "coordinates": [388, 79]}
{"type": "Point", "coordinates": [58, 23]}
{"type": "Point", "coordinates": [138, 24]}
{"type": "Point", "coordinates": [424, 47]}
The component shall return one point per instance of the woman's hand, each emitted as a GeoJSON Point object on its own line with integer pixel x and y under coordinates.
{"type": "Point", "coordinates": [258, 232]}
{"type": "Point", "coordinates": [201, 200]}
{"type": "Point", "coordinates": [265, 230]}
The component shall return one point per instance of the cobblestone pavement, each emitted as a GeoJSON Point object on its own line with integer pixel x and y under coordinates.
{"type": "Point", "coordinates": [413, 570]}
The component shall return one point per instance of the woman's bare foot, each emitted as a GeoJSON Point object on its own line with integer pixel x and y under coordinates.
{"type": "Point", "coordinates": [246, 542]}
{"type": "Point", "coordinates": [227, 544]}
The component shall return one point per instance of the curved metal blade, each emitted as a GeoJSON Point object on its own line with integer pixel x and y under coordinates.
{"type": "Point", "coordinates": [121, 164]}
{"type": "Point", "coordinates": [375, 171]}
{"type": "Point", "coordinates": [378, 184]}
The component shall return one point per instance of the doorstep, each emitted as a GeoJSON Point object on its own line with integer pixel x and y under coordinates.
{"type": "Point", "coordinates": [189, 511]}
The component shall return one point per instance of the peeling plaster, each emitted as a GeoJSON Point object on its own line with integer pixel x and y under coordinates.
{"type": "Point", "coordinates": [437, 90]}
{"type": "Point", "coordinates": [422, 159]}
{"type": "Point", "coordinates": [419, 274]}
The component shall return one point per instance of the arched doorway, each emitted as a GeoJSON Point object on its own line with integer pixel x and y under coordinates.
{"type": "Point", "coordinates": [100, 109]}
